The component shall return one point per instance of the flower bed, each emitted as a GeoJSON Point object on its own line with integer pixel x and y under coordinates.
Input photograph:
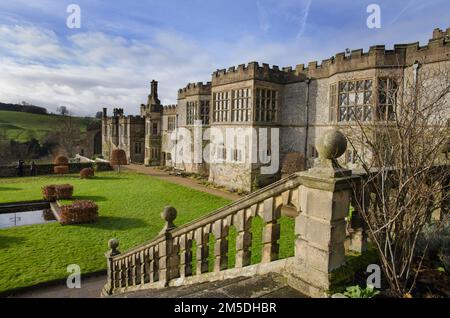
{"type": "Point", "coordinates": [80, 211]}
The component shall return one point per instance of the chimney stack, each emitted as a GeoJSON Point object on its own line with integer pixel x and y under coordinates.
{"type": "Point", "coordinates": [154, 89]}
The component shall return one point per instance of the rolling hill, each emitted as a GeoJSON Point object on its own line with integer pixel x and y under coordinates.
{"type": "Point", "coordinates": [22, 127]}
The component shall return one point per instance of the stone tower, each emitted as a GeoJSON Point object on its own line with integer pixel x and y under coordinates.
{"type": "Point", "coordinates": [152, 113]}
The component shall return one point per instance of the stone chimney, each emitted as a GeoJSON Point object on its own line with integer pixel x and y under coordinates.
{"type": "Point", "coordinates": [154, 89]}
{"type": "Point", "coordinates": [105, 112]}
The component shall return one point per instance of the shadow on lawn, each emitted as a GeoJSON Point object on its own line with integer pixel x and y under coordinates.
{"type": "Point", "coordinates": [116, 223]}
{"type": "Point", "coordinates": [9, 189]}
{"type": "Point", "coordinates": [9, 241]}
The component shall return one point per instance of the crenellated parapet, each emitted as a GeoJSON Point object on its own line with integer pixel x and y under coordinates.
{"type": "Point", "coordinates": [437, 49]}
{"type": "Point", "coordinates": [254, 71]}
{"type": "Point", "coordinates": [170, 110]}
{"type": "Point", "coordinates": [191, 89]}
{"type": "Point", "coordinates": [132, 119]}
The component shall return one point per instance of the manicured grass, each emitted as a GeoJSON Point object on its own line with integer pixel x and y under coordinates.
{"type": "Point", "coordinates": [129, 207]}
{"type": "Point", "coordinates": [23, 127]}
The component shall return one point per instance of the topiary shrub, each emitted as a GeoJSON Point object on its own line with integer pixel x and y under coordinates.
{"type": "Point", "coordinates": [61, 161]}
{"type": "Point", "coordinates": [64, 191]}
{"type": "Point", "coordinates": [118, 158]}
{"type": "Point", "coordinates": [47, 214]}
{"type": "Point", "coordinates": [81, 211]}
{"type": "Point", "coordinates": [87, 173]}
{"type": "Point", "coordinates": [61, 169]}
{"type": "Point", "coordinates": [49, 192]}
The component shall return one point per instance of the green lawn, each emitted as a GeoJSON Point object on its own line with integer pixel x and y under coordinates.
{"type": "Point", "coordinates": [130, 206]}
{"type": "Point", "coordinates": [23, 127]}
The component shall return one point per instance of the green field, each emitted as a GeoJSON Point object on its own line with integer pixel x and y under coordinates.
{"type": "Point", "coordinates": [129, 208]}
{"type": "Point", "coordinates": [23, 127]}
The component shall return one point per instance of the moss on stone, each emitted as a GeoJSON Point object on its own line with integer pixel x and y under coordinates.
{"type": "Point", "coordinates": [354, 268]}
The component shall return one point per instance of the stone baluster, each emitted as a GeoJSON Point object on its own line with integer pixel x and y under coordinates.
{"type": "Point", "coordinates": [153, 260]}
{"type": "Point", "coordinates": [324, 204]}
{"type": "Point", "coordinates": [243, 226]}
{"type": "Point", "coordinates": [185, 242]}
{"type": "Point", "coordinates": [121, 273]}
{"type": "Point", "coordinates": [271, 231]}
{"type": "Point", "coordinates": [111, 267]}
{"type": "Point", "coordinates": [134, 267]}
{"type": "Point", "coordinates": [127, 271]}
{"type": "Point", "coordinates": [201, 239]}
{"type": "Point", "coordinates": [220, 232]}
{"type": "Point", "coordinates": [143, 257]}
{"type": "Point", "coordinates": [168, 251]}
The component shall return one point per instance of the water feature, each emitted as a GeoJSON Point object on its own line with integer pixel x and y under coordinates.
{"type": "Point", "coordinates": [25, 218]}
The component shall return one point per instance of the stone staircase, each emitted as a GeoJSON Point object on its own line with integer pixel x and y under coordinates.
{"type": "Point", "coordinates": [271, 285]}
{"type": "Point", "coordinates": [320, 196]}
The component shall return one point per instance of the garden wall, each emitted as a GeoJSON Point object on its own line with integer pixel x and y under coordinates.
{"type": "Point", "coordinates": [46, 169]}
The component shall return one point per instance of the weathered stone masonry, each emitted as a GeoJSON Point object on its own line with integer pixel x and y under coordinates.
{"type": "Point", "coordinates": [302, 102]}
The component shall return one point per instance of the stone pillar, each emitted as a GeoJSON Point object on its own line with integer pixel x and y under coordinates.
{"type": "Point", "coordinates": [169, 259]}
{"type": "Point", "coordinates": [111, 271]}
{"type": "Point", "coordinates": [357, 239]}
{"type": "Point", "coordinates": [321, 226]}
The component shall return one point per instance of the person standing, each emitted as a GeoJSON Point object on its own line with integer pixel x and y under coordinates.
{"type": "Point", "coordinates": [33, 169]}
{"type": "Point", "coordinates": [20, 168]}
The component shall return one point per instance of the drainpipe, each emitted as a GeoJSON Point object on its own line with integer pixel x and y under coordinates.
{"type": "Point", "coordinates": [308, 81]}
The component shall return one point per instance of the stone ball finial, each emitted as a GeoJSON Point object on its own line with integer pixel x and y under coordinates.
{"type": "Point", "coordinates": [332, 144]}
{"type": "Point", "coordinates": [113, 244]}
{"type": "Point", "coordinates": [169, 214]}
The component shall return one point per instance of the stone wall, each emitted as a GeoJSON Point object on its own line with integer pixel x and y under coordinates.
{"type": "Point", "coordinates": [47, 169]}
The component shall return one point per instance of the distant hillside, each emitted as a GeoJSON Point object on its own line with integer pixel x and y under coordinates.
{"type": "Point", "coordinates": [21, 126]}
{"type": "Point", "coordinates": [23, 108]}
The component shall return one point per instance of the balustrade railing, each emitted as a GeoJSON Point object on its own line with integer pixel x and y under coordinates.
{"type": "Point", "coordinates": [170, 254]}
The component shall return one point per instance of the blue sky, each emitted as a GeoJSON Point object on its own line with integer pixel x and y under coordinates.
{"type": "Point", "coordinates": [122, 45]}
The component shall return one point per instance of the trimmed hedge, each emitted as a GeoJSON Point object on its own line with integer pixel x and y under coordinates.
{"type": "Point", "coordinates": [61, 169]}
{"type": "Point", "coordinates": [64, 191]}
{"type": "Point", "coordinates": [80, 211]}
{"type": "Point", "coordinates": [87, 173]}
{"type": "Point", "coordinates": [57, 192]}
{"type": "Point", "coordinates": [61, 161]}
{"type": "Point", "coordinates": [49, 192]}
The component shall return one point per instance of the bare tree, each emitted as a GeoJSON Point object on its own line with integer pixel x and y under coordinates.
{"type": "Point", "coordinates": [406, 176]}
{"type": "Point", "coordinates": [66, 137]}
{"type": "Point", "coordinates": [63, 110]}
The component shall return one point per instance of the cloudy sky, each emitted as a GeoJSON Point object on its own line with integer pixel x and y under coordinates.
{"type": "Point", "coordinates": [122, 45]}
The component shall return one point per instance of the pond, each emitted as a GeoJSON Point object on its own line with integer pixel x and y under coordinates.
{"type": "Point", "coordinates": [26, 218]}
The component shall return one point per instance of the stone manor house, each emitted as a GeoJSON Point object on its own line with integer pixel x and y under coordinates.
{"type": "Point", "coordinates": [300, 102]}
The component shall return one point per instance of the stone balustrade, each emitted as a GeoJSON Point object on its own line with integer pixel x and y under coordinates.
{"type": "Point", "coordinates": [321, 195]}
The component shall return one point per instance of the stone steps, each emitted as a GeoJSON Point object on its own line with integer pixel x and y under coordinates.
{"type": "Point", "coordinates": [271, 285]}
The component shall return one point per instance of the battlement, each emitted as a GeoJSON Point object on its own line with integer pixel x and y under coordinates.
{"type": "Point", "coordinates": [437, 49]}
{"type": "Point", "coordinates": [254, 71]}
{"type": "Point", "coordinates": [198, 88]}
{"type": "Point", "coordinates": [134, 119]}
{"type": "Point", "coordinates": [170, 110]}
